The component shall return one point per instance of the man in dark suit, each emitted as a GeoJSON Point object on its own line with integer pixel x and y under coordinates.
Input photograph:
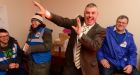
{"type": "Point", "coordinates": [90, 39]}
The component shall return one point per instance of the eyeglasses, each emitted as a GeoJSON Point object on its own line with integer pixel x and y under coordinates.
{"type": "Point", "coordinates": [121, 22]}
{"type": "Point", "coordinates": [6, 36]}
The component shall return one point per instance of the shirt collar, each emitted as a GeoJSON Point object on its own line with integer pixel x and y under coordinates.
{"type": "Point", "coordinates": [89, 26]}
{"type": "Point", "coordinates": [119, 33]}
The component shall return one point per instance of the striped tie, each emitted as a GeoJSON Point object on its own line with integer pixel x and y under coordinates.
{"type": "Point", "coordinates": [85, 29]}
{"type": "Point", "coordinates": [77, 56]}
{"type": "Point", "coordinates": [78, 47]}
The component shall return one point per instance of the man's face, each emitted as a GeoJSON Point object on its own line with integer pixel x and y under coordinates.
{"type": "Point", "coordinates": [4, 37]}
{"type": "Point", "coordinates": [90, 15]}
{"type": "Point", "coordinates": [121, 24]}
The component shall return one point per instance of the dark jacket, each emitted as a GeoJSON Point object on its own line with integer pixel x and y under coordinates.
{"type": "Point", "coordinates": [91, 42]}
{"type": "Point", "coordinates": [12, 43]}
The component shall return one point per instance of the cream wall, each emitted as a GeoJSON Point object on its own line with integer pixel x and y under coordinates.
{"type": "Point", "coordinates": [20, 12]}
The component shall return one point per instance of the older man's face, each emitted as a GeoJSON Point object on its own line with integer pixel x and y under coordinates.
{"type": "Point", "coordinates": [121, 24]}
{"type": "Point", "coordinates": [90, 15]}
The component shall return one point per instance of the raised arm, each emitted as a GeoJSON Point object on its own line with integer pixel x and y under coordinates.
{"type": "Point", "coordinates": [58, 20]}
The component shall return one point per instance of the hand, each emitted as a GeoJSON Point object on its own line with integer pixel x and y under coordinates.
{"type": "Point", "coordinates": [42, 11]}
{"type": "Point", "coordinates": [26, 47]}
{"type": "Point", "coordinates": [127, 69]}
{"type": "Point", "coordinates": [78, 28]}
{"type": "Point", "coordinates": [105, 63]}
{"type": "Point", "coordinates": [12, 65]}
{"type": "Point", "coordinates": [17, 65]}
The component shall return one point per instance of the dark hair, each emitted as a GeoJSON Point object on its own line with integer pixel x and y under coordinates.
{"type": "Point", "coordinates": [3, 30]}
{"type": "Point", "coordinates": [123, 17]}
{"type": "Point", "coordinates": [91, 5]}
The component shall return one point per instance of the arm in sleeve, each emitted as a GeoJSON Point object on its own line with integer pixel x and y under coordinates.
{"type": "Point", "coordinates": [93, 43]}
{"type": "Point", "coordinates": [64, 22]}
{"type": "Point", "coordinates": [19, 51]}
{"type": "Point", "coordinates": [19, 54]}
{"type": "Point", "coordinates": [100, 54]}
{"type": "Point", "coordinates": [47, 38]}
{"type": "Point", "coordinates": [132, 58]}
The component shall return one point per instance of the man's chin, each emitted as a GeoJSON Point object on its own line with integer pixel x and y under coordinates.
{"type": "Point", "coordinates": [5, 42]}
{"type": "Point", "coordinates": [90, 23]}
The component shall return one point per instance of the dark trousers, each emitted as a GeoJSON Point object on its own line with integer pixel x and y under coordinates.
{"type": "Point", "coordinates": [39, 69]}
{"type": "Point", "coordinates": [112, 70]}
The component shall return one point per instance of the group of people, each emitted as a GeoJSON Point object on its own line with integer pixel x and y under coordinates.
{"type": "Point", "coordinates": [37, 48]}
{"type": "Point", "coordinates": [91, 50]}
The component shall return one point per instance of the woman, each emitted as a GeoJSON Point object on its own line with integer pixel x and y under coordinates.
{"type": "Point", "coordinates": [38, 45]}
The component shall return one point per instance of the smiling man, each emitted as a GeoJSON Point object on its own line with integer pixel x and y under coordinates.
{"type": "Point", "coordinates": [118, 52]}
{"type": "Point", "coordinates": [10, 55]}
{"type": "Point", "coordinates": [85, 39]}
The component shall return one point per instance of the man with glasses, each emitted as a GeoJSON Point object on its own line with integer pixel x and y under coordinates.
{"type": "Point", "coordinates": [118, 51]}
{"type": "Point", "coordinates": [10, 55]}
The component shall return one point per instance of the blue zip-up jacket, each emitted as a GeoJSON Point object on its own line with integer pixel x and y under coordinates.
{"type": "Point", "coordinates": [9, 54]}
{"type": "Point", "coordinates": [119, 52]}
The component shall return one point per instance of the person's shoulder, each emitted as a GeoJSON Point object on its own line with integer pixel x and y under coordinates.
{"type": "Point", "coordinates": [129, 33]}
{"type": "Point", "coordinates": [48, 29]}
{"type": "Point", "coordinates": [110, 27]}
{"type": "Point", "coordinates": [12, 39]}
{"type": "Point", "coordinates": [99, 27]}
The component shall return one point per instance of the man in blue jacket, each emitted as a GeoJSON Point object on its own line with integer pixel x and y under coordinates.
{"type": "Point", "coordinates": [10, 55]}
{"type": "Point", "coordinates": [118, 51]}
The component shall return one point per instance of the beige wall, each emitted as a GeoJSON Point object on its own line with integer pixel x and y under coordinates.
{"type": "Point", "coordinates": [20, 12]}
